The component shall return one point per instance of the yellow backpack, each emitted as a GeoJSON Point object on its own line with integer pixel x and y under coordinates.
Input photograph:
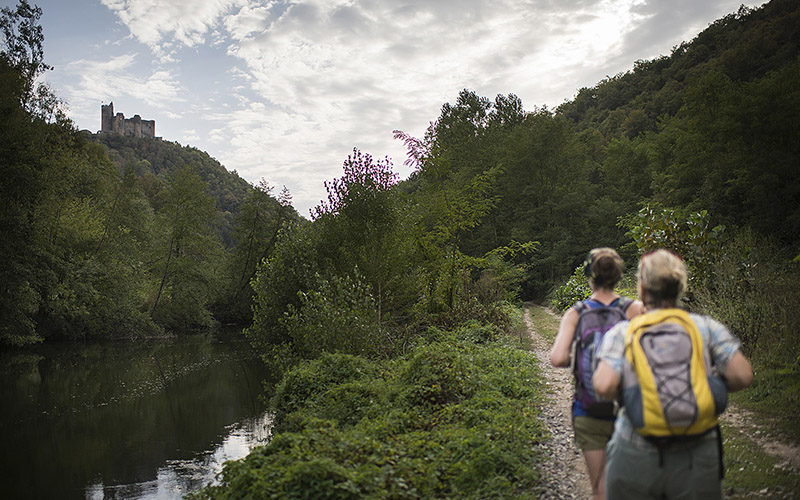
{"type": "Point", "coordinates": [668, 388]}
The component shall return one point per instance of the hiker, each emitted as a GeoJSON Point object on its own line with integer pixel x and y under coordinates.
{"type": "Point", "coordinates": [653, 453]}
{"type": "Point", "coordinates": [592, 420]}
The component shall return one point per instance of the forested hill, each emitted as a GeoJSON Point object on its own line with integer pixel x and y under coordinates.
{"type": "Point", "coordinates": [744, 46]}
{"type": "Point", "coordinates": [153, 159]}
{"type": "Point", "coordinates": [712, 127]}
{"type": "Point", "coordinates": [108, 236]}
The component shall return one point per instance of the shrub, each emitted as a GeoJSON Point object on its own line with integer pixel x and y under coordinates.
{"type": "Point", "coordinates": [575, 289]}
{"type": "Point", "coordinates": [305, 386]}
{"type": "Point", "coordinates": [451, 420]}
{"type": "Point", "coordinates": [755, 293]}
{"type": "Point", "coordinates": [339, 315]}
{"type": "Point", "coordinates": [690, 236]}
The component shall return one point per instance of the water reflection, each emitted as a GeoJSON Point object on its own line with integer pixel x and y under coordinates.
{"type": "Point", "coordinates": [125, 420]}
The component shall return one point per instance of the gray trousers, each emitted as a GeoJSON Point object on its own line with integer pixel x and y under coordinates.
{"type": "Point", "coordinates": [684, 471]}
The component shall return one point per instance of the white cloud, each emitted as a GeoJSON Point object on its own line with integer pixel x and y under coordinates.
{"type": "Point", "coordinates": [314, 78]}
{"type": "Point", "coordinates": [336, 75]}
{"type": "Point", "coordinates": [163, 24]}
{"type": "Point", "coordinates": [116, 77]}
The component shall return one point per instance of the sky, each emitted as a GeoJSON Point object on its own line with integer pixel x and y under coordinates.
{"type": "Point", "coordinates": [283, 91]}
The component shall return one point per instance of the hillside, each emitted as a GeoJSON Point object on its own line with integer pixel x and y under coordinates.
{"type": "Point", "coordinates": [744, 46]}
{"type": "Point", "coordinates": [711, 127]}
{"type": "Point", "coordinates": [155, 157]}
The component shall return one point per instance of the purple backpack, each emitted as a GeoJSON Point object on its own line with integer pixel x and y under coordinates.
{"type": "Point", "coordinates": [593, 323]}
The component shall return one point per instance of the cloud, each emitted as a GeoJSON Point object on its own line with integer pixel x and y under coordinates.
{"type": "Point", "coordinates": [164, 25]}
{"type": "Point", "coordinates": [117, 78]}
{"type": "Point", "coordinates": [331, 76]}
{"type": "Point", "coordinates": [311, 79]}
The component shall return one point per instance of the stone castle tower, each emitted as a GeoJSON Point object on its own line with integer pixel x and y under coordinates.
{"type": "Point", "coordinates": [118, 124]}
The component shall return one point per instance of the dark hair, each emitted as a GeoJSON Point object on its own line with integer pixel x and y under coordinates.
{"type": "Point", "coordinates": [604, 267]}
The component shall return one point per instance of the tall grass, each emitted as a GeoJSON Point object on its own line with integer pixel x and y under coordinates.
{"type": "Point", "coordinates": [755, 292]}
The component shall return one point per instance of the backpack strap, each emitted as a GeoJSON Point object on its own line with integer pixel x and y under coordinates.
{"type": "Point", "coordinates": [624, 303]}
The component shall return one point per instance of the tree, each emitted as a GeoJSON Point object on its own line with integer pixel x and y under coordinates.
{"type": "Point", "coordinates": [188, 254]}
{"type": "Point", "coordinates": [23, 50]}
{"type": "Point", "coordinates": [255, 230]}
{"type": "Point", "coordinates": [456, 174]}
{"type": "Point", "coordinates": [346, 279]}
{"type": "Point", "coordinates": [362, 221]}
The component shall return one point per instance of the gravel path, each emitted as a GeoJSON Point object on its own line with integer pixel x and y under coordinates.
{"type": "Point", "coordinates": [565, 475]}
{"type": "Point", "coordinates": [757, 431]}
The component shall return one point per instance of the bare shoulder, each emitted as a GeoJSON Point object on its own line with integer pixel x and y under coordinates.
{"type": "Point", "coordinates": [636, 308]}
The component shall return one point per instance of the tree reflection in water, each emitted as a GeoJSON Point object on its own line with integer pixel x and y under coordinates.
{"type": "Point", "coordinates": [149, 419]}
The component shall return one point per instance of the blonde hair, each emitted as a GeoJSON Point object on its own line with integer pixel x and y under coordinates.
{"type": "Point", "coordinates": [605, 267]}
{"type": "Point", "coordinates": [662, 275]}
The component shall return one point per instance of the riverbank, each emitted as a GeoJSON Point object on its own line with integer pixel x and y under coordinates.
{"type": "Point", "coordinates": [458, 417]}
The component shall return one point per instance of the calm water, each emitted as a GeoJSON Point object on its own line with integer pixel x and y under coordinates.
{"type": "Point", "coordinates": [152, 419]}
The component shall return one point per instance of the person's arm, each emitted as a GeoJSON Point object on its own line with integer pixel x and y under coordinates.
{"type": "Point", "coordinates": [739, 373]}
{"type": "Point", "coordinates": [726, 354]}
{"type": "Point", "coordinates": [560, 353]}
{"type": "Point", "coordinates": [605, 381]}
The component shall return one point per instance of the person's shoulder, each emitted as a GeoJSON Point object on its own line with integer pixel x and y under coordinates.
{"type": "Point", "coordinates": [705, 321]}
{"type": "Point", "coordinates": [710, 327]}
{"type": "Point", "coordinates": [570, 314]}
{"type": "Point", "coordinates": [634, 308]}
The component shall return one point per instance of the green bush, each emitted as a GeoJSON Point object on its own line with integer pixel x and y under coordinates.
{"type": "Point", "coordinates": [689, 235]}
{"type": "Point", "coordinates": [477, 333]}
{"type": "Point", "coordinates": [575, 289]}
{"type": "Point", "coordinates": [308, 386]}
{"type": "Point", "coordinates": [756, 294]}
{"type": "Point", "coordinates": [339, 315]}
{"type": "Point", "coordinates": [452, 419]}
{"type": "Point", "coordinates": [437, 375]}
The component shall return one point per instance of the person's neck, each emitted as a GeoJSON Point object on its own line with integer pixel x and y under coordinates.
{"type": "Point", "coordinates": [604, 295]}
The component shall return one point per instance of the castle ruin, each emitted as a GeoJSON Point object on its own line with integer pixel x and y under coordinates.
{"type": "Point", "coordinates": [118, 124]}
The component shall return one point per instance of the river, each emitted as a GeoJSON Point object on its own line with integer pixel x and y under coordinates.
{"type": "Point", "coordinates": [148, 419]}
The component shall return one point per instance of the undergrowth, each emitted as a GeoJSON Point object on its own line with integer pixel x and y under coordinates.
{"type": "Point", "coordinates": [775, 396]}
{"type": "Point", "coordinates": [456, 418]}
{"type": "Point", "coordinates": [751, 473]}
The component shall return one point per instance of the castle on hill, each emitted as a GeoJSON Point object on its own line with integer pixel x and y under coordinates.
{"type": "Point", "coordinates": [118, 124]}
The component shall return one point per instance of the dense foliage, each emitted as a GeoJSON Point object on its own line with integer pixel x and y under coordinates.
{"type": "Point", "coordinates": [152, 159]}
{"type": "Point", "coordinates": [161, 239]}
{"type": "Point", "coordinates": [450, 420]}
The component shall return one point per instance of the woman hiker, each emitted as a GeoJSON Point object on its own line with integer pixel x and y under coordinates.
{"type": "Point", "coordinates": [653, 457]}
{"type": "Point", "coordinates": [592, 422]}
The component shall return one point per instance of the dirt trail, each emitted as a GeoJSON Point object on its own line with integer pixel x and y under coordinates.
{"type": "Point", "coordinates": [565, 476]}
{"type": "Point", "coordinates": [746, 421]}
